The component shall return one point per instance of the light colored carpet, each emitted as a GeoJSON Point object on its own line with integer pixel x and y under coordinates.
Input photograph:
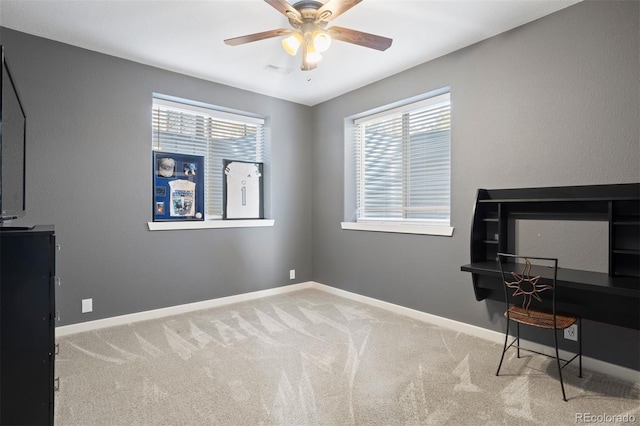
{"type": "Point", "coordinates": [312, 358]}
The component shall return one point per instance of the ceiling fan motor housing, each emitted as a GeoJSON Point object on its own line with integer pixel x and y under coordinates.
{"type": "Point", "coordinates": [309, 12]}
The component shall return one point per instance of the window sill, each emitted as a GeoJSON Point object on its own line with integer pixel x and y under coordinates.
{"type": "Point", "coordinates": [210, 224]}
{"type": "Point", "coordinates": [445, 231]}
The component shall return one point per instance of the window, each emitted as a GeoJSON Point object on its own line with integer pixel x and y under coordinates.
{"type": "Point", "coordinates": [403, 165]}
{"type": "Point", "coordinates": [215, 134]}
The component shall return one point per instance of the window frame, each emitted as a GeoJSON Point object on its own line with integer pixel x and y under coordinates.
{"type": "Point", "coordinates": [354, 170]}
{"type": "Point", "coordinates": [217, 113]}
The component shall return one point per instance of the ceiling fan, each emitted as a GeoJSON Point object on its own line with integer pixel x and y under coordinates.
{"type": "Point", "coordinates": [309, 19]}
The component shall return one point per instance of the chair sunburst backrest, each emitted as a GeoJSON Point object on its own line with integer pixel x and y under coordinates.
{"type": "Point", "coordinates": [524, 282]}
{"type": "Point", "coordinates": [527, 286]}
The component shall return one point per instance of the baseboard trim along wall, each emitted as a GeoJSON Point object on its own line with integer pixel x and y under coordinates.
{"type": "Point", "coordinates": [613, 370]}
{"type": "Point", "coordinates": [66, 330]}
{"type": "Point", "coordinates": [622, 373]}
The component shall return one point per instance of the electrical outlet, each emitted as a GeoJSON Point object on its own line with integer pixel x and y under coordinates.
{"type": "Point", "coordinates": [571, 333]}
{"type": "Point", "coordinates": [87, 305]}
{"type": "Point", "coordinates": [292, 274]}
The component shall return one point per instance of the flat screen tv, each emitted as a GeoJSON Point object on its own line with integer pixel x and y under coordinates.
{"type": "Point", "coordinates": [13, 123]}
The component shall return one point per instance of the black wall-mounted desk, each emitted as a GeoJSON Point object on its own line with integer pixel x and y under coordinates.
{"type": "Point", "coordinates": [593, 295]}
{"type": "Point", "coordinates": [612, 297]}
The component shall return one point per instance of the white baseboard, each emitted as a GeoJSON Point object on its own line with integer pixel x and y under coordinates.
{"type": "Point", "coordinates": [613, 370]}
{"type": "Point", "coordinates": [66, 330]}
{"type": "Point", "coordinates": [622, 373]}
{"type": "Point", "coordinates": [462, 327]}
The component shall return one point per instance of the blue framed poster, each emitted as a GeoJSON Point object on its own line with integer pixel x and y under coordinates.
{"type": "Point", "coordinates": [178, 187]}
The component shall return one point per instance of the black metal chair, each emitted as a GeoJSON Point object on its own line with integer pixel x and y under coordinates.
{"type": "Point", "coordinates": [524, 305]}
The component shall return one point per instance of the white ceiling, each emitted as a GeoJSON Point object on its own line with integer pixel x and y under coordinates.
{"type": "Point", "coordinates": [187, 36]}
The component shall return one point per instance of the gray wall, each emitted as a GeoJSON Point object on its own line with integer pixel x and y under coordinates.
{"type": "Point", "coordinates": [551, 103]}
{"type": "Point", "coordinates": [88, 172]}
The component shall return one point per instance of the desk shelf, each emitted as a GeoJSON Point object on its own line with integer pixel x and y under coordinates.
{"type": "Point", "coordinates": [625, 238]}
{"type": "Point", "coordinates": [619, 205]}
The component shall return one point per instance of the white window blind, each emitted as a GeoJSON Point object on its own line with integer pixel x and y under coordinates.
{"type": "Point", "coordinates": [403, 169]}
{"type": "Point", "coordinates": [214, 134]}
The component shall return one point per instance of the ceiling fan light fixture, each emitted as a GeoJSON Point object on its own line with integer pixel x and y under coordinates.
{"type": "Point", "coordinates": [292, 43]}
{"type": "Point", "coordinates": [312, 54]}
{"type": "Point", "coordinates": [321, 40]}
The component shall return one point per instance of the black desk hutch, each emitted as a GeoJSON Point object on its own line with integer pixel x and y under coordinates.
{"type": "Point", "coordinates": [27, 336]}
{"type": "Point", "coordinates": [612, 297]}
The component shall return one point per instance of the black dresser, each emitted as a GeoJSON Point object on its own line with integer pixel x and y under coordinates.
{"type": "Point", "coordinates": [27, 316]}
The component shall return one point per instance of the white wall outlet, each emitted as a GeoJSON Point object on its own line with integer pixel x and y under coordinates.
{"type": "Point", "coordinates": [87, 305]}
{"type": "Point", "coordinates": [292, 274]}
{"type": "Point", "coordinates": [571, 333]}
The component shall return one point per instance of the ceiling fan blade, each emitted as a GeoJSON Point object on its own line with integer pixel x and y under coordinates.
{"type": "Point", "coordinates": [257, 36]}
{"type": "Point", "coordinates": [286, 9]}
{"type": "Point", "coordinates": [335, 8]}
{"type": "Point", "coordinates": [358, 37]}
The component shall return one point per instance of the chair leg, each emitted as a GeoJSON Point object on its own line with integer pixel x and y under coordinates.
{"type": "Point", "coordinates": [518, 338]}
{"type": "Point", "coordinates": [504, 348]}
{"type": "Point", "coordinates": [555, 339]}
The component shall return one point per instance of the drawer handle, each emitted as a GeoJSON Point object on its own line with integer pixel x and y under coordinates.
{"type": "Point", "coordinates": [57, 349]}
{"type": "Point", "coordinates": [56, 384]}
